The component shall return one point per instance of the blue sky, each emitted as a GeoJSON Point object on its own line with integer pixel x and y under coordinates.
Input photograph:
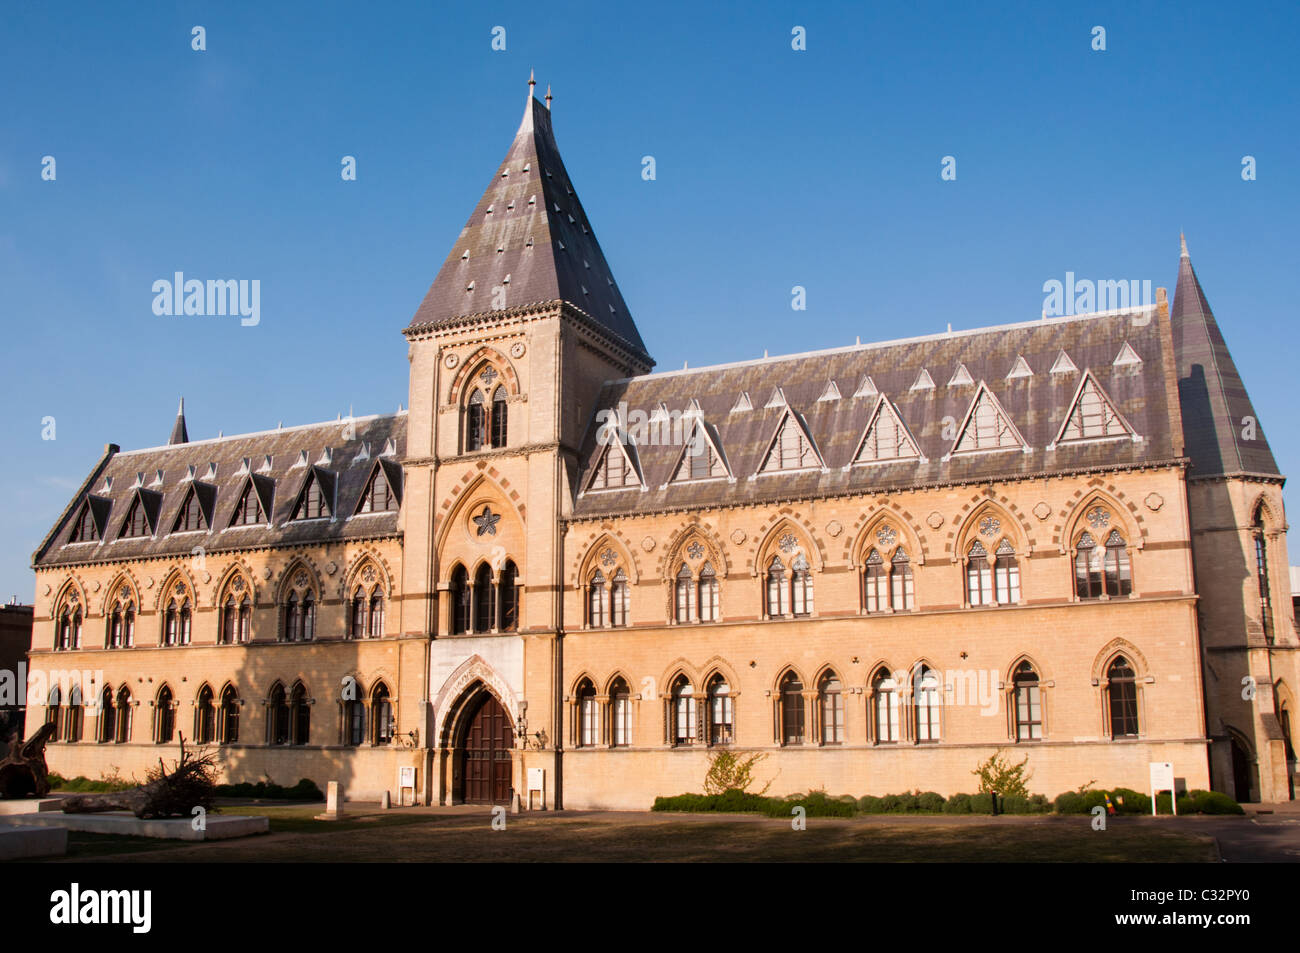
{"type": "Point", "coordinates": [775, 168]}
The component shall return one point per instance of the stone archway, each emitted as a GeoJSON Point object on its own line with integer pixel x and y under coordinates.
{"type": "Point", "coordinates": [482, 746]}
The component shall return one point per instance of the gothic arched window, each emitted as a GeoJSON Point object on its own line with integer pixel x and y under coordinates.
{"type": "Point", "coordinates": [381, 715]}
{"type": "Point", "coordinates": [597, 600]}
{"type": "Point", "coordinates": [682, 712]}
{"type": "Point", "coordinates": [885, 710]}
{"type": "Point", "coordinates": [460, 600]}
{"type": "Point", "coordinates": [1121, 697]}
{"type": "Point", "coordinates": [684, 601]}
{"type": "Point", "coordinates": [620, 705]}
{"type": "Point", "coordinates": [925, 704]}
{"type": "Point", "coordinates": [831, 700]}
{"type": "Point", "coordinates": [165, 717]}
{"type": "Point", "coordinates": [1028, 703]}
{"type": "Point", "coordinates": [588, 715]}
{"type": "Point", "coordinates": [229, 716]}
{"type": "Point", "coordinates": [722, 717]}
{"type": "Point", "coordinates": [707, 590]}
{"type": "Point", "coordinates": [205, 717]}
{"type": "Point", "coordinates": [792, 710]}
{"type": "Point", "coordinates": [299, 715]}
{"type": "Point", "coordinates": [277, 711]}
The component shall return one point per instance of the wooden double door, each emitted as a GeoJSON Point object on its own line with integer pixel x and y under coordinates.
{"type": "Point", "coordinates": [485, 753]}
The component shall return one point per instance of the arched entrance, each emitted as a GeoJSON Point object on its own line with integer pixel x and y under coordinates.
{"type": "Point", "coordinates": [483, 752]}
{"type": "Point", "coordinates": [1243, 769]}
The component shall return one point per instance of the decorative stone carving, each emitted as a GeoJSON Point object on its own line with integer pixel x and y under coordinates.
{"type": "Point", "coordinates": [331, 568]}
{"type": "Point", "coordinates": [148, 580]}
{"type": "Point", "coordinates": [695, 550]}
{"type": "Point", "coordinates": [608, 557]}
{"type": "Point", "coordinates": [517, 349]}
{"type": "Point", "coordinates": [989, 525]}
{"type": "Point", "coordinates": [451, 360]}
{"type": "Point", "coordinates": [368, 575]}
{"type": "Point", "coordinates": [934, 520]}
{"type": "Point", "coordinates": [738, 536]}
{"type": "Point", "coordinates": [97, 586]}
{"type": "Point", "coordinates": [834, 528]}
{"type": "Point", "coordinates": [1099, 517]}
{"type": "Point", "coordinates": [48, 590]}
{"type": "Point", "coordinates": [486, 522]}
{"type": "Point", "coordinates": [648, 543]}
{"type": "Point", "coordinates": [301, 579]}
{"type": "Point", "coordinates": [886, 535]}
{"type": "Point", "coordinates": [266, 574]}
{"type": "Point", "coordinates": [1042, 510]}
{"type": "Point", "coordinates": [1154, 501]}
{"type": "Point", "coordinates": [207, 578]}
{"type": "Point", "coordinates": [788, 542]}
{"type": "Point", "coordinates": [237, 584]}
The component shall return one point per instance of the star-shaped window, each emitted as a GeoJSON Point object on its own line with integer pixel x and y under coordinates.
{"type": "Point", "coordinates": [487, 522]}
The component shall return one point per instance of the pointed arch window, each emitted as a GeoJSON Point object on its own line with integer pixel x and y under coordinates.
{"type": "Point", "coordinates": [597, 600]}
{"type": "Point", "coordinates": [618, 599]}
{"type": "Point", "coordinates": [708, 593]}
{"type": "Point", "coordinates": [299, 613]}
{"type": "Point", "coordinates": [508, 597]}
{"type": "Point", "coordinates": [830, 700]}
{"type": "Point", "coordinates": [1028, 703]}
{"type": "Point", "coordinates": [1102, 571]}
{"type": "Point", "coordinates": [476, 436]}
{"type": "Point", "coordinates": [121, 620]}
{"type": "Point", "coordinates": [235, 618]}
{"type": "Point", "coordinates": [299, 715]}
{"type": "Point", "coordinates": [722, 718]}
{"type": "Point", "coordinates": [1121, 699]}
{"type": "Point", "coordinates": [685, 595]}
{"type": "Point", "coordinates": [484, 599]}
{"type": "Point", "coordinates": [177, 620]}
{"type": "Point", "coordinates": [383, 724]}
{"type": "Point", "coordinates": [901, 582]}
{"type": "Point", "coordinates": [354, 718]}
{"type": "Point", "coordinates": [122, 732]}
{"type": "Point", "coordinates": [205, 717]}
{"type": "Point", "coordinates": [682, 712]}
{"type": "Point", "coordinates": [68, 635]}
{"type": "Point", "coordinates": [277, 721]}
{"type": "Point", "coordinates": [359, 606]}
{"type": "Point", "coordinates": [164, 717]}
{"type": "Point", "coordinates": [54, 711]}
{"type": "Point", "coordinates": [801, 586]}
{"type": "Point", "coordinates": [778, 597]}
{"type": "Point", "coordinates": [620, 702]}
{"type": "Point", "coordinates": [875, 583]}
{"type": "Point", "coordinates": [229, 726]}
{"type": "Point", "coordinates": [979, 576]}
{"type": "Point", "coordinates": [459, 594]}
{"type": "Point", "coordinates": [791, 710]}
{"type": "Point", "coordinates": [499, 417]}
{"type": "Point", "coordinates": [1006, 574]}
{"type": "Point", "coordinates": [75, 715]}
{"type": "Point", "coordinates": [107, 717]}
{"type": "Point", "coordinates": [588, 715]}
{"type": "Point", "coordinates": [1260, 543]}
{"type": "Point", "coordinates": [925, 706]}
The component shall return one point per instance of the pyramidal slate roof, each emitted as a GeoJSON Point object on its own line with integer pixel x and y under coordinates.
{"type": "Point", "coordinates": [1223, 434]}
{"type": "Point", "coordinates": [179, 433]}
{"type": "Point", "coordinates": [529, 236]}
{"type": "Point", "coordinates": [1020, 365]}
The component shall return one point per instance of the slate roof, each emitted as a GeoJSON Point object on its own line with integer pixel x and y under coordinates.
{"type": "Point", "coordinates": [348, 465]}
{"type": "Point", "coordinates": [530, 235]}
{"type": "Point", "coordinates": [179, 433]}
{"type": "Point", "coordinates": [1038, 406]}
{"type": "Point", "coordinates": [1214, 401]}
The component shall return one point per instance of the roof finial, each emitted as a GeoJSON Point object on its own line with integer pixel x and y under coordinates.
{"type": "Point", "coordinates": [531, 83]}
{"type": "Point", "coordinates": [179, 433]}
{"type": "Point", "coordinates": [548, 97]}
{"type": "Point", "coordinates": [1183, 241]}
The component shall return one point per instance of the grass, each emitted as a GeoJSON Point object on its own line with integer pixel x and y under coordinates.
{"type": "Point", "coordinates": [296, 836]}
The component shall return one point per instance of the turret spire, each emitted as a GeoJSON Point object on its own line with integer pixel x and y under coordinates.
{"type": "Point", "coordinates": [179, 433]}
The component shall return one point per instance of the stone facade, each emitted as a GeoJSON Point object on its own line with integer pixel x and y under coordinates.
{"type": "Point", "coordinates": [575, 632]}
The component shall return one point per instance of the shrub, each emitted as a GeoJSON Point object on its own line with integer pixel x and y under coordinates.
{"type": "Point", "coordinates": [958, 804]}
{"type": "Point", "coordinates": [930, 802]}
{"type": "Point", "coordinates": [304, 790]}
{"type": "Point", "coordinates": [815, 804]}
{"type": "Point", "coordinates": [84, 785]}
{"type": "Point", "coordinates": [1037, 804]}
{"type": "Point", "coordinates": [981, 803]}
{"type": "Point", "coordinates": [1001, 775]}
{"type": "Point", "coordinates": [728, 771]}
{"type": "Point", "coordinates": [1212, 802]}
{"type": "Point", "coordinates": [870, 804]}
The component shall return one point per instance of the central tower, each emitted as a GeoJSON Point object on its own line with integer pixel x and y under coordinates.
{"type": "Point", "coordinates": [508, 351]}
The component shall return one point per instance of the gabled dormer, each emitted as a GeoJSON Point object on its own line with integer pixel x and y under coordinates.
{"type": "Point", "coordinates": [196, 508]}
{"type": "Point", "coordinates": [791, 447]}
{"type": "Point", "coordinates": [886, 438]}
{"type": "Point", "coordinates": [141, 514]}
{"type": "Point", "coordinates": [1092, 416]}
{"type": "Point", "coordinates": [91, 520]}
{"type": "Point", "coordinates": [987, 427]}
{"type": "Point", "coordinates": [316, 497]}
{"type": "Point", "coordinates": [701, 457]}
{"type": "Point", "coordinates": [616, 465]}
{"type": "Point", "coordinates": [255, 502]}
{"type": "Point", "coordinates": [383, 492]}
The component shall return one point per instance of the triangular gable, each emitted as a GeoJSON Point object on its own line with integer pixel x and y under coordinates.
{"type": "Point", "coordinates": [326, 482]}
{"type": "Point", "coordinates": [791, 447]}
{"type": "Point", "coordinates": [886, 438]}
{"type": "Point", "coordinates": [380, 483]}
{"type": "Point", "coordinates": [88, 526]}
{"type": "Point", "coordinates": [777, 399]}
{"type": "Point", "coordinates": [743, 403]}
{"type": "Point", "coordinates": [1092, 416]}
{"type": "Point", "coordinates": [701, 456]}
{"type": "Point", "coordinates": [148, 505]}
{"type": "Point", "coordinates": [1126, 357]}
{"type": "Point", "coordinates": [987, 427]}
{"type": "Point", "coordinates": [1020, 369]}
{"type": "Point", "coordinates": [616, 466]}
{"type": "Point", "coordinates": [260, 505]}
{"type": "Point", "coordinates": [1063, 365]}
{"type": "Point", "coordinates": [923, 381]}
{"type": "Point", "coordinates": [202, 497]}
{"type": "Point", "coordinates": [832, 392]}
{"type": "Point", "coordinates": [961, 377]}
{"type": "Point", "coordinates": [866, 389]}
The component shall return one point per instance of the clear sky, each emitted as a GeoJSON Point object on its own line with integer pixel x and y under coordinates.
{"type": "Point", "coordinates": [775, 168]}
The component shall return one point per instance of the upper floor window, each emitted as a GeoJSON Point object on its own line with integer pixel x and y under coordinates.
{"type": "Point", "coordinates": [121, 619]}
{"type": "Point", "coordinates": [314, 502]}
{"type": "Point", "coordinates": [597, 600]}
{"type": "Point", "coordinates": [68, 633]}
{"type": "Point", "coordinates": [684, 590]}
{"type": "Point", "coordinates": [248, 511]}
{"type": "Point", "coordinates": [618, 599]}
{"type": "Point", "coordinates": [484, 604]}
{"type": "Point", "coordinates": [177, 616]}
{"type": "Point", "coordinates": [682, 714]}
{"type": "Point", "coordinates": [588, 715]}
{"type": "Point", "coordinates": [191, 516]}
{"type": "Point", "coordinates": [1261, 574]}
{"type": "Point", "coordinates": [885, 708]}
{"type": "Point", "coordinates": [367, 607]}
{"type": "Point", "coordinates": [925, 704]}
{"type": "Point", "coordinates": [459, 595]}
{"type": "Point", "coordinates": [1102, 570]}
{"type": "Point", "coordinates": [85, 529]}
{"type": "Point", "coordinates": [792, 593]}
{"type": "Point", "coordinates": [299, 614]}
{"type": "Point", "coordinates": [791, 449]}
{"type": "Point", "coordinates": [620, 715]}
{"type": "Point", "coordinates": [486, 414]}
{"type": "Point", "coordinates": [135, 523]}
{"type": "Point", "coordinates": [378, 496]}
{"type": "Point", "coordinates": [992, 580]}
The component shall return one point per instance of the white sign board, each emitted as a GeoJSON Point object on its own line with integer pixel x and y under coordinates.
{"type": "Point", "coordinates": [537, 779]}
{"type": "Point", "coordinates": [1162, 779]}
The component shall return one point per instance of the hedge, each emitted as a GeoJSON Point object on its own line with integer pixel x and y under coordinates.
{"type": "Point", "coordinates": [304, 790]}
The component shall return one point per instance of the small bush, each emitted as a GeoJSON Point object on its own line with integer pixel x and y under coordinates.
{"type": "Point", "coordinates": [304, 790]}
{"type": "Point", "coordinates": [870, 804]}
{"type": "Point", "coordinates": [815, 804]}
{"type": "Point", "coordinates": [929, 802]}
{"type": "Point", "coordinates": [957, 804]}
{"type": "Point", "coordinates": [84, 785]}
{"type": "Point", "coordinates": [981, 803]}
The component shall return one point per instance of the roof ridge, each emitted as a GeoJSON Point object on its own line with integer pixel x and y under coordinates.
{"type": "Point", "coordinates": [262, 433]}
